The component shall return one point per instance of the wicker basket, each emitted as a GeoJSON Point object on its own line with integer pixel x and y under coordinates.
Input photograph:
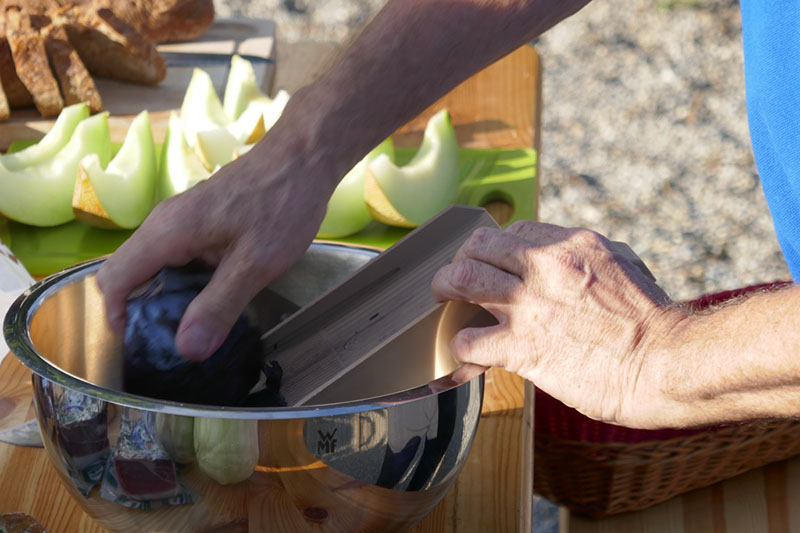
{"type": "Point", "coordinates": [597, 469]}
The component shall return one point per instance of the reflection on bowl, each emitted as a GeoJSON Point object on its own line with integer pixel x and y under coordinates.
{"type": "Point", "coordinates": [360, 458]}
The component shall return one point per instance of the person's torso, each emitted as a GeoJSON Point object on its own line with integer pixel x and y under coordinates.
{"type": "Point", "coordinates": [771, 36]}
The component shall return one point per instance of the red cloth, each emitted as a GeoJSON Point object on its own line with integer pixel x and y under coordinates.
{"type": "Point", "coordinates": [555, 419]}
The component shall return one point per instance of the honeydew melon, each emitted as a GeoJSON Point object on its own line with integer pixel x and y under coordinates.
{"type": "Point", "coordinates": [41, 195]}
{"type": "Point", "coordinates": [226, 449]}
{"type": "Point", "coordinates": [201, 109]}
{"type": "Point", "coordinates": [216, 147]}
{"type": "Point", "coordinates": [240, 151]}
{"type": "Point", "coordinates": [180, 168]}
{"type": "Point", "coordinates": [249, 127]}
{"type": "Point", "coordinates": [408, 196]}
{"type": "Point", "coordinates": [242, 92]}
{"type": "Point", "coordinates": [122, 195]}
{"type": "Point", "coordinates": [347, 211]}
{"type": "Point", "coordinates": [241, 88]}
{"type": "Point", "coordinates": [275, 107]}
{"type": "Point", "coordinates": [55, 139]}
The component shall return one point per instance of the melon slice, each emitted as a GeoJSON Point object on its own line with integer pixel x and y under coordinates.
{"type": "Point", "coordinates": [408, 196]}
{"type": "Point", "coordinates": [122, 195]}
{"type": "Point", "coordinates": [216, 147]}
{"type": "Point", "coordinates": [347, 211]}
{"type": "Point", "coordinates": [241, 88]}
{"type": "Point", "coordinates": [41, 195]}
{"type": "Point", "coordinates": [55, 139]}
{"type": "Point", "coordinates": [201, 109]}
{"type": "Point", "coordinates": [249, 127]}
{"type": "Point", "coordinates": [275, 107]}
{"type": "Point", "coordinates": [180, 168]}
{"type": "Point", "coordinates": [240, 151]}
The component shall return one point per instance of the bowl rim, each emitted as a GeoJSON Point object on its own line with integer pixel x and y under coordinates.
{"type": "Point", "coordinates": [16, 330]}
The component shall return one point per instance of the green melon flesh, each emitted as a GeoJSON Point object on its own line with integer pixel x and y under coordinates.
{"type": "Point", "coordinates": [41, 195]}
{"type": "Point", "coordinates": [216, 130]}
{"type": "Point", "coordinates": [180, 168]}
{"type": "Point", "coordinates": [275, 108]}
{"type": "Point", "coordinates": [347, 211]}
{"type": "Point", "coordinates": [408, 196]}
{"type": "Point", "coordinates": [241, 88]}
{"type": "Point", "coordinates": [240, 151]}
{"type": "Point", "coordinates": [51, 143]}
{"type": "Point", "coordinates": [126, 188]}
{"type": "Point", "coordinates": [201, 108]}
{"type": "Point", "coordinates": [216, 147]}
{"type": "Point", "coordinates": [249, 127]}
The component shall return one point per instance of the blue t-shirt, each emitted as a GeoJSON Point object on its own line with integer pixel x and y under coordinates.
{"type": "Point", "coordinates": [771, 35]}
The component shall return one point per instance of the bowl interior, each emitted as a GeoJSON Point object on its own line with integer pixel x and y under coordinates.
{"type": "Point", "coordinates": [68, 329]}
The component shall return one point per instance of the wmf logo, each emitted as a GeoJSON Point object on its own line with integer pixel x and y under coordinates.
{"type": "Point", "coordinates": [326, 442]}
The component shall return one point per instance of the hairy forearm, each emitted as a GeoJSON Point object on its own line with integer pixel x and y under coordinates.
{"type": "Point", "coordinates": [736, 363]}
{"type": "Point", "coordinates": [412, 53]}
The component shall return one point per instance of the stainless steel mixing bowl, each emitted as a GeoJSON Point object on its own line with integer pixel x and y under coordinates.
{"type": "Point", "coordinates": [377, 455]}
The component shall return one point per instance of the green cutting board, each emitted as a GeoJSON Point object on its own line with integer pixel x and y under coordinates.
{"type": "Point", "coordinates": [486, 176]}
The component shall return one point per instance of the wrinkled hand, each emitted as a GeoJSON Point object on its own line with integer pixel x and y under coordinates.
{"type": "Point", "coordinates": [575, 317]}
{"type": "Point", "coordinates": [251, 220]}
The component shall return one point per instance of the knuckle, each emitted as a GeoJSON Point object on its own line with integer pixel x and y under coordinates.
{"type": "Point", "coordinates": [565, 262]}
{"type": "Point", "coordinates": [565, 258]}
{"type": "Point", "coordinates": [554, 260]}
{"type": "Point", "coordinates": [161, 216]}
{"type": "Point", "coordinates": [249, 266]}
{"type": "Point", "coordinates": [477, 240]}
{"type": "Point", "coordinates": [464, 275]}
{"type": "Point", "coordinates": [521, 227]}
{"type": "Point", "coordinates": [171, 213]}
{"type": "Point", "coordinates": [588, 238]}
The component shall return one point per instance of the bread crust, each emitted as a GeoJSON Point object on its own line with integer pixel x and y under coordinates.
{"type": "Point", "coordinates": [50, 49]}
{"type": "Point", "coordinates": [30, 60]}
{"type": "Point", "coordinates": [113, 49]}
{"type": "Point", "coordinates": [164, 21]}
{"type": "Point", "coordinates": [5, 111]}
{"type": "Point", "coordinates": [16, 93]}
{"type": "Point", "coordinates": [76, 83]}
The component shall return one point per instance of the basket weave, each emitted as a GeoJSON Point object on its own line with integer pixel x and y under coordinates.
{"type": "Point", "coordinates": [596, 469]}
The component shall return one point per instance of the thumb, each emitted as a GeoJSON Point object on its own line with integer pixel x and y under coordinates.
{"type": "Point", "coordinates": [211, 315]}
{"type": "Point", "coordinates": [488, 346]}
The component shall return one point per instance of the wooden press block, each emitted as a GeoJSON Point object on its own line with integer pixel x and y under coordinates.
{"type": "Point", "coordinates": [388, 298]}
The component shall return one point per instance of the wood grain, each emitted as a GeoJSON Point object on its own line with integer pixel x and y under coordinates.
{"type": "Point", "coordinates": [377, 309]}
{"type": "Point", "coordinates": [499, 109]}
{"type": "Point", "coordinates": [762, 500]}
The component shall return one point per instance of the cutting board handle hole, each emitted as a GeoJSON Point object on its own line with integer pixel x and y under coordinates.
{"type": "Point", "coordinates": [499, 205]}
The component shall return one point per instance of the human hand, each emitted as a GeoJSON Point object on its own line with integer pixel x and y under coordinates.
{"type": "Point", "coordinates": [251, 220]}
{"type": "Point", "coordinates": [574, 316]}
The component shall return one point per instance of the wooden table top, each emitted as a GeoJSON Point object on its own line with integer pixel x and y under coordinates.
{"type": "Point", "coordinates": [765, 500]}
{"type": "Point", "coordinates": [499, 107]}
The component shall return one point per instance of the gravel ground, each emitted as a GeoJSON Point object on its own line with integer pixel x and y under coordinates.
{"type": "Point", "coordinates": [644, 134]}
{"type": "Point", "coordinates": [644, 131]}
{"type": "Point", "coordinates": [648, 142]}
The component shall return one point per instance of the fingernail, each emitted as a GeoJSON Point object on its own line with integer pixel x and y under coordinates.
{"type": "Point", "coordinates": [195, 343]}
